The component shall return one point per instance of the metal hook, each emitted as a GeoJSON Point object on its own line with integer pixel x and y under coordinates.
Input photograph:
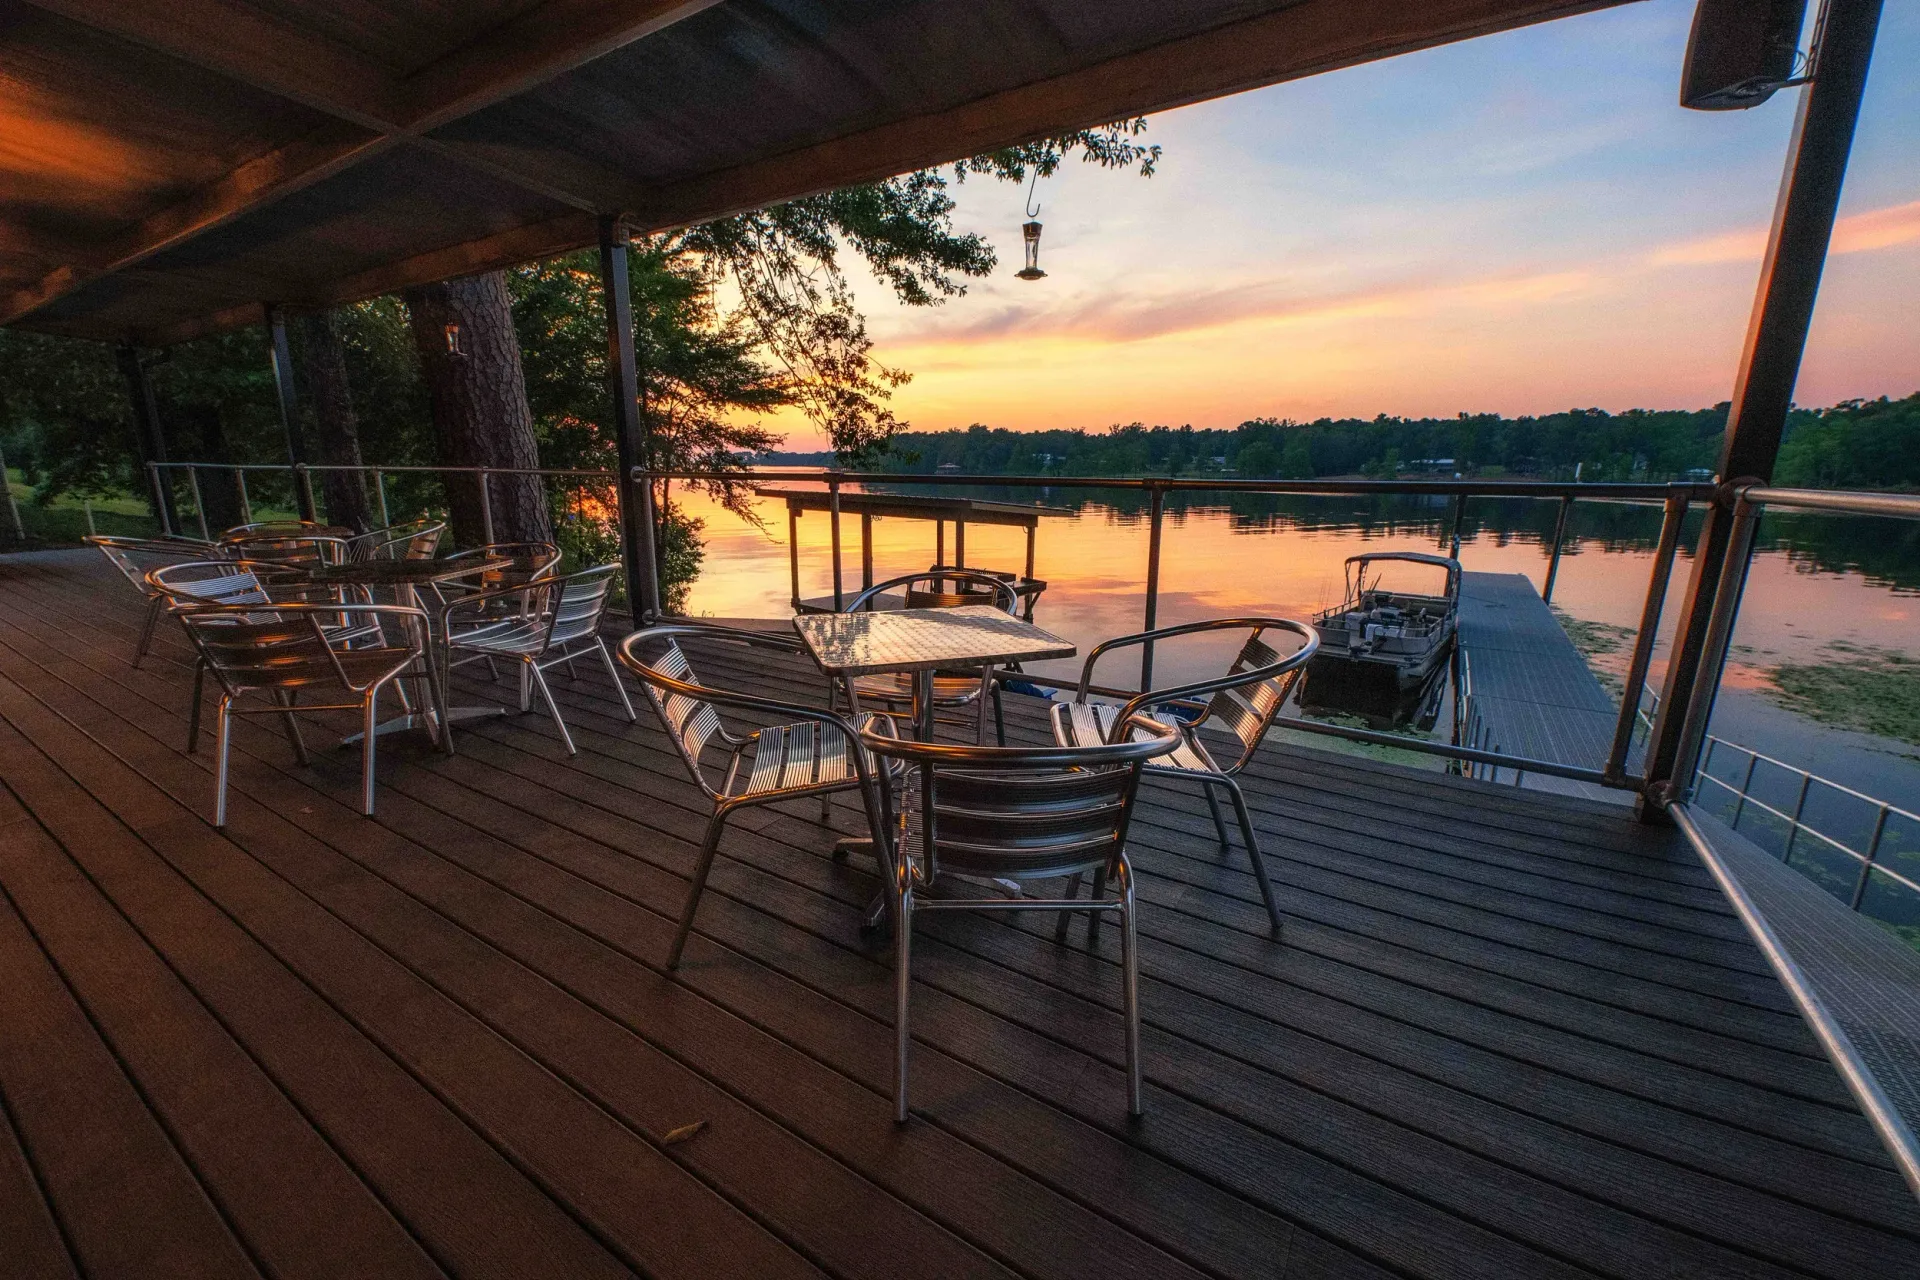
{"type": "Point", "coordinates": [1033, 210]}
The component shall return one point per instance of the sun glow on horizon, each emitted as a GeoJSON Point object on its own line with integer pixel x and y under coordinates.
{"type": "Point", "coordinates": [1547, 230]}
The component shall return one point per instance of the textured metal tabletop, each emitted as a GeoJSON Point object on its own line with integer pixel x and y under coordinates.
{"type": "Point", "coordinates": [853, 644]}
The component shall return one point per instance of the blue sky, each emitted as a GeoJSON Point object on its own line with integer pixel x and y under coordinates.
{"type": "Point", "coordinates": [1520, 223]}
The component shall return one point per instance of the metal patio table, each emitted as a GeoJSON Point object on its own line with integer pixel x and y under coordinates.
{"type": "Point", "coordinates": [919, 641]}
{"type": "Point", "coordinates": [405, 578]}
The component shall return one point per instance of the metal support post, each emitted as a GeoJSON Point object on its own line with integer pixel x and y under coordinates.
{"type": "Point", "coordinates": [1156, 509]}
{"type": "Point", "coordinates": [633, 494]}
{"type": "Point", "coordinates": [793, 551]}
{"type": "Point", "coordinates": [282, 356]}
{"type": "Point", "coordinates": [380, 492]}
{"type": "Point", "coordinates": [1643, 641]}
{"type": "Point", "coordinates": [866, 550]}
{"type": "Point", "coordinates": [1803, 218]}
{"type": "Point", "coordinates": [1713, 650]}
{"type": "Point", "coordinates": [833, 516]}
{"type": "Point", "coordinates": [1459, 518]}
{"type": "Point", "coordinates": [1559, 539]}
{"type": "Point", "coordinates": [147, 433]}
{"type": "Point", "coordinates": [486, 506]}
{"type": "Point", "coordinates": [240, 491]}
{"type": "Point", "coordinates": [199, 506]}
{"type": "Point", "coordinates": [1873, 851]}
{"type": "Point", "coordinates": [303, 477]}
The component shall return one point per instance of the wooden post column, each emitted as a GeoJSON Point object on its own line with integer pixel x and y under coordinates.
{"type": "Point", "coordinates": [637, 550]}
{"type": "Point", "coordinates": [282, 356]}
{"type": "Point", "coordinates": [1803, 219]}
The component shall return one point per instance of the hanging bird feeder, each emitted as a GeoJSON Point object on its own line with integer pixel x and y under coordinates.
{"type": "Point", "coordinates": [1030, 238]}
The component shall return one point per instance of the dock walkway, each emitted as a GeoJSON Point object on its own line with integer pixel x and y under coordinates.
{"type": "Point", "coordinates": [1532, 690]}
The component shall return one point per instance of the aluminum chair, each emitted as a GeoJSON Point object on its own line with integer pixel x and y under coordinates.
{"type": "Point", "coordinates": [540, 624]}
{"type": "Point", "coordinates": [298, 550]}
{"type": "Point", "coordinates": [198, 583]}
{"type": "Point", "coordinates": [283, 652]}
{"type": "Point", "coordinates": [414, 540]}
{"type": "Point", "coordinates": [952, 690]}
{"type": "Point", "coordinates": [798, 751]}
{"type": "Point", "coordinates": [1019, 814]}
{"type": "Point", "coordinates": [1245, 701]}
{"type": "Point", "coordinates": [136, 557]}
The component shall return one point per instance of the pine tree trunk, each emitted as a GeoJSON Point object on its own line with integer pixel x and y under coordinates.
{"type": "Point", "coordinates": [338, 427]}
{"type": "Point", "coordinates": [479, 397]}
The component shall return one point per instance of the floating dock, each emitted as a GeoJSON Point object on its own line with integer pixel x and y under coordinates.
{"type": "Point", "coordinates": [1532, 693]}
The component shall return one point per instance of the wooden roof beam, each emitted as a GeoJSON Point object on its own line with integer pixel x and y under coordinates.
{"type": "Point", "coordinates": [376, 108]}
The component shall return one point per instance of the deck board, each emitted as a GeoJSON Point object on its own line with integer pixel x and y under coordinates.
{"type": "Point", "coordinates": [1516, 1036]}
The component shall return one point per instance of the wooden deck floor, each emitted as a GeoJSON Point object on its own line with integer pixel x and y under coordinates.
{"type": "Point", "coordinates": [1505, 1034]}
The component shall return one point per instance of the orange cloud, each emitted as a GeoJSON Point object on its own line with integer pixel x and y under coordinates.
{"type": "Point", "coordinates": [1859, 233]}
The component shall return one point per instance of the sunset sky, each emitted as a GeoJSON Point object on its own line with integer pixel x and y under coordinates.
{"type": "Point", "coordinates": [1520, 223]}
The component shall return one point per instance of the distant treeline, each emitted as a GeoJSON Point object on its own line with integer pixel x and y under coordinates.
{"type": "Point", "coordinates": [1865, 444]}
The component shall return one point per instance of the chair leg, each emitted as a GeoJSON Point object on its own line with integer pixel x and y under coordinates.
{"type": "Point", "coordinates": [1130, 974]}
{"type": "Point", "coordinates": [553, 708]}
{"type": "Point", "coordinates": [526, 684]}
{"type": "Point", "coordinates": [1093, 917]}
{"type": "Point", "coordinates": [193, 713]}
{"type": "Point", "coordinates": [292, 726]}
{"type": "Point", "coordinates": [999, 717]}
{"type": "Point", "coordinates": [1072, 894]}
{"type": "Point", "coordinates": [902, 984]}
{"type": "Point", "coordinates": [1253, 851]}
{"type": "Point", "coordinates": [223, 736]}
{"type": "Point", "coordinates": [613, 674]}
{"type": "Point", "coordinates": [700, 869]}
{"type": "Point", "coordinates": [1219, 823]}
{"type": "Point", "coordinates": [154, 608]}
{"type": "Point", "coordinates": [370, 722]}
{"type": "Point", "coordinates": [493, 672]}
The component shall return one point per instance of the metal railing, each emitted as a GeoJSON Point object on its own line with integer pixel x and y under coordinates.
{"type": "Point", "coordinates": [1884, 813]}
{"type": "Point", "coordinates": [303, 474]}
{"type": "Point", "coordinates": [1675, 499]}
{"type": "Point", "coordinates": [1484, 758]}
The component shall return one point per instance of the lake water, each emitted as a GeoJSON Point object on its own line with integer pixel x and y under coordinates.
{"type": "Point", "coordinates": [1815, 581]}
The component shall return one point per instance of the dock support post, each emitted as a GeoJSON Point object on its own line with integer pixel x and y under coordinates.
{"type": "Point", "coordinates": [1559, 539]}
{"type": "Point", "coordinates": [1156, 510]}
{"type": "Point", "coordinates": [632, 493]}
{"type": "Point", "coordinates": [1459, 518]}
{"type": "Point", "coordinates": [959, 544]}
{"type": "Point", "coordinates": [1803, 218]}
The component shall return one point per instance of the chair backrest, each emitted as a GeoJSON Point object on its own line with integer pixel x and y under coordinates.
{"type": "Point", "coordinates": [941, 589]}
{"type": "Point", "coordinates": [580, 601]}
{"type": "Point", "coordinates": [414, 540]}
{"type": "Point", "coordinates": [527, 561]}
{"type": "Point", "coordinates": [1021, 813]}
{"type": "Point", "coordinates": [136, 557]}
{"type": "Point", "coordinates": [198, 582]}
{"type": "Point", "coordinates": [271, 529]}
{"type": "Point", "coordinates": [1248, 698]}
{"type": "Point", "coordinates": [254, 650]}
{"type": "Point", "coordinates": [689, 708]}
{"type": "Point", "coordinates": [301, 550]}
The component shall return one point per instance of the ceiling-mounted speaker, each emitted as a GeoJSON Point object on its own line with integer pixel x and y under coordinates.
{"type": "Point", "coordinates": [1740, 52]}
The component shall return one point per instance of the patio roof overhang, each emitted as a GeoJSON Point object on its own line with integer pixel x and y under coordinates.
{"type": "Point", "coordinates": [174, 169]}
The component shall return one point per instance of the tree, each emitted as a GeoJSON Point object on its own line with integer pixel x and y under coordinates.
{"type": "Point", "coordinates": [337, 427]}
{"type": "Point", "coordinates": [470, 358]}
